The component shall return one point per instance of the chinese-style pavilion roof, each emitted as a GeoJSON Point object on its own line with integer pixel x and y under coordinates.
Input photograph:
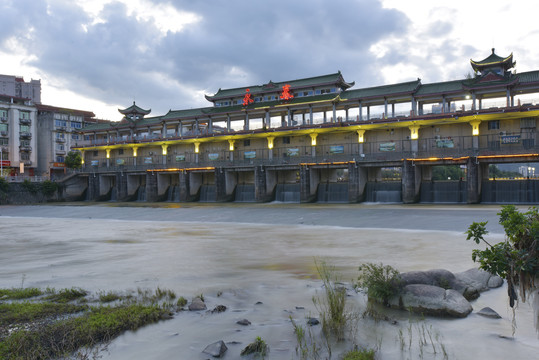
{"type": "Point", "coordinates": [384, 90]}
{"type": "Point", "coordinates": [493, 61]}
{"type": "Point", "coordinates": [305, 83]}
{"type": "Point", "coordinates": [134, 109]}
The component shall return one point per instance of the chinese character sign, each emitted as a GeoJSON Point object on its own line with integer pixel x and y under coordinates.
{"type": "Point", "coordinates": [247, 99]}
{"type": "Point", "coordinates": [286, 94]}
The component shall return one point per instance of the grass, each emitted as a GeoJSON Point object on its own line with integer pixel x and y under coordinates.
{"type": "Point", "coordinates": [258, 348]}
{"type": "Point", "coordinates": [17, 294]}
{"type": "Point", "coordinates": [380, 282]}
{"type": "Point", "coordinates": [52, 327]}
{"type": "Point", "coordinates": [360, 354]}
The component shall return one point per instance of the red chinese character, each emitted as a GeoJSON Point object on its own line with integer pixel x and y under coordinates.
{"type": "Point", "coordinates": [286, 94]}
{"type": "Point", "coordinates": [247, 99]}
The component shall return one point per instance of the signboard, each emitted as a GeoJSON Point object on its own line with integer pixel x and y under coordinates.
{"type": "Point", "coordinates": [147, 160]}
{"type": "Point", "coordinates": [388, 146]}
{"type": "Point", "coordinates": [120, 161]}
{"type": "Point", "coordinates": [213, 156]}
{"type": "Point", "coordinates": [6, 163]}
{"type": "Point", "coordinates": [180, 158]}
{"type": "Point", "coordinates": [249, 154]}
{"type": "Point", "coordinates": [510, 139]}
{"type": "Point", "coordinates": [57, 164]}
{"type": "Point", "coordinates": [336, 149]}
{"type": "Point", "coordinates": [95, 163]}
{"type": "Point", "coordinates": [445, 143]}
{"type": "Point", "coordinates": [292, 152]}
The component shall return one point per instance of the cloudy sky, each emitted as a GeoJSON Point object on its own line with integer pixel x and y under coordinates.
{"type": "Point", "coordinates": [101, 55]}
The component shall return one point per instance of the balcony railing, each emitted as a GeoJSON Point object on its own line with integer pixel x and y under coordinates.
{"type": "Point", "coordinates": [25, 148]}
{"type": "Point", "coordinates": [60, 140]}
{"type": "Point", "coordinates": [25, 121]}
{"type": "Point", "coordinates": [383, 152]}
{"type": "Point", "coordinates": [25, 134]}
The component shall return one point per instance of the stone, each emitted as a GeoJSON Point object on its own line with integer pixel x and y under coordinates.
{"type": "Point", "coordinates": [217, 349]}
{"type": "Point", "coordinates": [243, 322]}
{"type": "Point", "coordinates": [197, 304]}
{"type": "Point", "coordinates": [313, 321]}
{"type": "Point", "coordinates": [488, 312]}
{"type": "Point", "coordinates": [479, 280]}
{"type": "Point", "coordinates": [431, 300]}
{"type": "Point", "coordinates": [437, 277]}
{"type": "Point", "coordinates": [218, 309]}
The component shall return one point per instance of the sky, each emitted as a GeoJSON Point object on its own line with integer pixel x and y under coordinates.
{"type": "Point", "coordinates": [101, 55]}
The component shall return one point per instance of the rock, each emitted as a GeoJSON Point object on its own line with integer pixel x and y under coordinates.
{"type": "Point", "coordinates": [218, 309]}
{"type": "Point", "coordinates": [479, 280]}
{"type": "Point", "coordinates": [313, 321]}
{"type": "Point", "coordinates": [197, 304]}
{"type": "Point", "coordinates": [257, 348]}
{"type": "Point", "coordinates": [217, 349]}
{"type": "Point", "coordinates": [243, 322]}
{"type": "Point", "coordinates": [437, 277]}
{"type": "Point", "coordinates": [488, 312]}
{"type": "Point", "coordinates": [431, 300]}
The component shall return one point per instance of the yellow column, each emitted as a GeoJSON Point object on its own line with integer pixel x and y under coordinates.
{"type": "Point", "coordinates": [475, 127]}
{"type": "Point", "coordinates": [164, 147]}
{"type": "Point", "coordinates": [361, 136]}
{"type": "Point", "coordinates": [313, 138]}
{"type": "Point", "coordinates": [414, 132]}
{"type": "Point", "coordinates": [270, 141]}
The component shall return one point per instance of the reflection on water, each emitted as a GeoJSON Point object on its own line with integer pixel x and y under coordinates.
{"type": "Point", "coordinates": [266, 257]}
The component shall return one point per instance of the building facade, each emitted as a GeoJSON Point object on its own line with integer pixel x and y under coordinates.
{"type": "Point", "coordinates": [318, 133]}
{"type": "Point", "coordinates": [18, 140]}
{"type": "Point", "coordinates": [15, 86]}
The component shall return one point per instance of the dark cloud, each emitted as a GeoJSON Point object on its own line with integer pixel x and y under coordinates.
{"type": "Point", "coordinates": [235, 43]}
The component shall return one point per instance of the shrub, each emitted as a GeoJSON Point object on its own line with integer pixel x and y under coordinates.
{"type": "Point", "coordinates": [381, 282]}
{"type": "Point", "coordinates": [4, 185]}
{"type": "Point", "coordinates": [49, 187]}
{"type": "Point", "coordinates": [29, 186]}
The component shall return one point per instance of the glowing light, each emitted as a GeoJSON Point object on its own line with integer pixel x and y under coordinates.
{"type": "Point", "coordinates": [248, 98]}
{"type": "Point", "coordinates": [197, 147]}
{"type": "Point", "coordinates": [414, 132]}
{"type": "Point", "coordinates": [108, 153]}
{"type": "Point", "coordinates": [361, 136]}
{"type": "Point", "coordinates": [313, 139]}
{"type": "Point", "coordinates": [475, 127]}
{"type": "Point", "coordinates": [164, 147]}
{"type": "Point", "coordinates": [135, 151]}
{"type": "Point", "coordinates": [286, 94]}
{"type": "Point", "coordinates": [231, 145]}
{"type": "Point", "coordinates": [270, 142]}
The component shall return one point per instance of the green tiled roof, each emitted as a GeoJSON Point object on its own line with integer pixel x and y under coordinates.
{"type": "Point", "coordinates": [113, 125]}
{"type": "Point", "coordinates": [440, 87]}
{"type": "Point", "coordinates": [528, 77]}
{"type": "Point", "coordinates": [271, 86]}
{"type": "Point", "coordinates": [393, 89]}
{"type": "Point", "coordinates": [493, 60]}
{"type": "Point", "coordinates": [134, 109]}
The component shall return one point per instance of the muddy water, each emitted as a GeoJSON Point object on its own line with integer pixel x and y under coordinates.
{"type": "Point", "coordinates": [257, 253]}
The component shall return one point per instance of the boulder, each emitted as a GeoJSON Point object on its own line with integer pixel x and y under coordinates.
{"type": "Point", "coordinates": [437, 277]}
{"type": "Point", "coordinates": [488, 312]}
{"type": "Point", "coordinates": [243, 322]}
{"type": "Point", "coordinates": [197, 304]}
{"type": "Point", "coordinates": [479, 280]}
{"type": "Point", "coordinates": [217, 349]}
{"type": "Point", "coordinates": [431, 300]}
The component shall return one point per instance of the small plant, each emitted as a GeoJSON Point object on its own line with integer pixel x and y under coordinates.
{"type": "Point", "coordinates": [359, 354]}
{"type": "Point", "coordinates": [67, 295]}
{"type": "Point", "coordinates": [109, 297]}
{"type": "Point", "coordinates": [29, 186]}
{"type": "Point", "coordinates": [201, 297]}
{"type": "Point", "coordinates": [381, 282]}
{"type": "Point", "coordinates": [306, 345]}
{"type": "Point", "coordinates": [4, 184]}
{"type": "Point", "coordinates": [181, 302]}
{"type": "Point", "coordinates": [332, 306]}
{"type": "Point", "coordinates": [16, 294]}
{"type": "Point", "coordinates": [258, 348]}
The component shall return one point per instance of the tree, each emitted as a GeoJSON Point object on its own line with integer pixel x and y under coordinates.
{"type": "Point", "coordinates": [515, 259]}
{"type": "Point", "coordinates": [73, 160]}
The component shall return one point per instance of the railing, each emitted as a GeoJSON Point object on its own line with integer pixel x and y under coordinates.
{"type": "Point", "coordinates": [21, 178]}
{"type": "Point", "coordinates": [385, 151]}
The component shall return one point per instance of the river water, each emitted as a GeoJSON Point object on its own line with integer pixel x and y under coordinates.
{"type": "Point", "coordinates": [241, 254]}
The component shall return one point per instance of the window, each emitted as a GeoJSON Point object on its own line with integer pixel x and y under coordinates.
{"type": "Point", "coordinates": [96, 153]}
{"type": "Point", "coordinates": [60, 135]}
{"type": "Point", "coordinates": [86, 137]}
{"type": "Point", "coordinates": [527, 123]}
{"type": "Point", "coordinates": [3, 127]}
{"type": "Point", "coordinates": [247, 142]}
{"type": "Point", "coordinates": [494, 125]}
{"type": "Point", "coordinates": [25, 156]}
{"type": "Point", "coordinates": [76, 125]}
{"type": "Point", "coordinates": [76, 118]}
{"type": "Point", "coordinates": [24, 115]}
{"type": "Point", "coordinates": [120, 151]}
{"type": "Point", "coordinates": [25, 142]}
{"type": "Point", "coordinates": [286, 139]}
{"type": "Point", "coordinates": [75, 136]}
{"type": "Point", "coordinates": [24, 128]}
{"type": "Point", "coordinates": [3, 114]}
{"type": "Point", "coordinates": [4, 141]}
{"type": "Point", "coordinates": [60, 123]}
{"type": "Point", "coordinates": [60, 159]}
{"type": "Point", "coordinates": [60, 147]}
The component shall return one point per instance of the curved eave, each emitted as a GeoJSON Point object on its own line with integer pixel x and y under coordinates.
{"type": "Point", "coordinates": [507, 62]}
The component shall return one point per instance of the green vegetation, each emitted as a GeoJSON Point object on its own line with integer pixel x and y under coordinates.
{"type": "Point", "coordinates": [332, 306]}
{"type": "Point", "coordinates": [181, 302]}
{"type": "Point", "coordinates": [17, 294]}
{"type": "Point", "coordinates": [495, 172]}
{"type": "Point", "coordinates": [517, 258]}
{"type": "Point", "coordinates": [258, 348]}
{"type": "Point", "coordinates": [73, 160]}
{"type": "Point", "coordinates": [359, 354]}
{"type": "Point", "coordinates": [109, 296]}
{"type": "Point", "coordinates": [51, 327]}
{"type": "Point", "coordinates": [4, 185]}
{"type": "Point", "coordinates": [49, 187]}
{"type": "Point", "coordinates": [29, 186]}
{"type": "Point", "coordinates": [447, 172]}
{"type": "Point", "coordinates": [306, 346]}
{"type": "Point", "coordinates": [381, 282]}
